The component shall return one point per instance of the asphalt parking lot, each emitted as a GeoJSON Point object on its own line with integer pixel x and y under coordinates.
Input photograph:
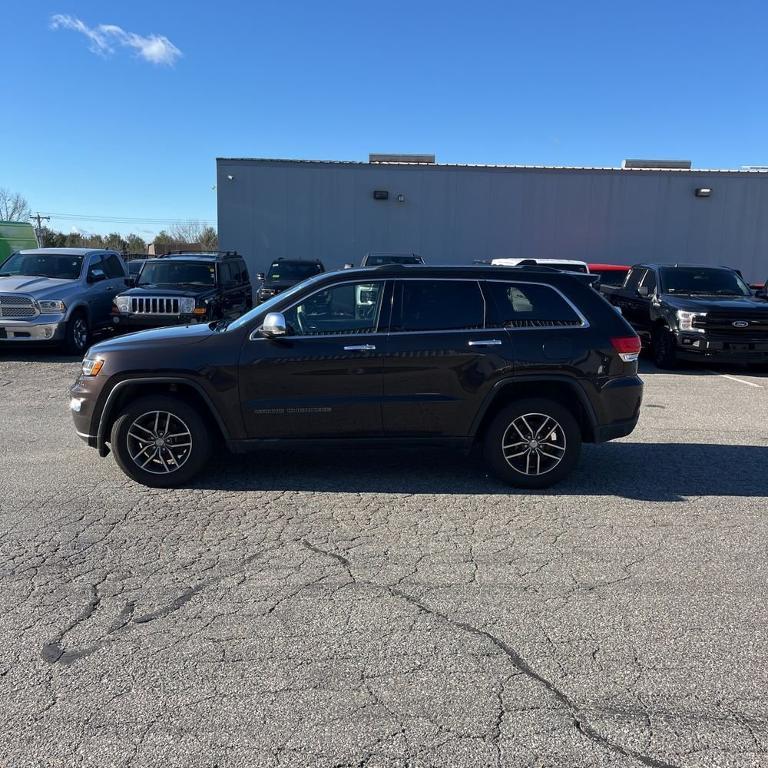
{"type": "Point", "coordinates": [381, 609]}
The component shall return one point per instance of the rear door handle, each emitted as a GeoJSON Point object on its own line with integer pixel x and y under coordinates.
{"type": "Point", "coordinates": [484, 343]}
{"type": "Point", "coordinates": [360, 348]}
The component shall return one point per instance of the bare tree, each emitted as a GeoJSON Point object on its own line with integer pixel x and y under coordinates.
{"type": "Point", "coordinates": [189, 232]}
{"type": "Point", "coordinates": [13, 207]}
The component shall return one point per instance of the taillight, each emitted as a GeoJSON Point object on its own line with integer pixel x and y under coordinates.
{"type": "Point", "coordinates": [628, 347]}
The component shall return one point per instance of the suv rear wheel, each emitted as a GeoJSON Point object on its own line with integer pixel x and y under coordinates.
{"type": "Point", "coordinates": [533, 443]}
{"type": "Point", "coordinates": [160, 441]}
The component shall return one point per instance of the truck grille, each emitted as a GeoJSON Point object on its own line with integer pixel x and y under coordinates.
{"type": "Point", "coordinates": [723, 322]}
{"type": "Point", "coordinates": [19, 307]}
{"type": "Point", "coordinates": [155, 305]}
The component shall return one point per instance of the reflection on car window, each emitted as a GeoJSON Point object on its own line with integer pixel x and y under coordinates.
{"type": "Point", "coordinates": [56, 265]}
{"type": "Point", "coordinates": [349, 308]}
{"type": "Point", "coordinates": [521, 305]}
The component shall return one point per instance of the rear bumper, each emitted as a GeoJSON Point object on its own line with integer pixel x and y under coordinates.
{"type": "Point", "coordinates": [619, 408]}
{"type": "Point", "coordinates": [735, 349]}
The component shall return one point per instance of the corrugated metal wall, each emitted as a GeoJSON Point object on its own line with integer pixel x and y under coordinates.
{"type": "Point", "coordinates": [456, 214]}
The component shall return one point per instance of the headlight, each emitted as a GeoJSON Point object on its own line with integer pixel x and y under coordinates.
{"type": "Point", "coordinates": [91, 366]}
{"type": "Point", "coordinates": [186, 305]}
{"type": "Point", "coordinates": [51, 306]}
{"type": "Point", "coordinates": [123, 304]}
{"type": "Point", "coordinates": [685, 320]}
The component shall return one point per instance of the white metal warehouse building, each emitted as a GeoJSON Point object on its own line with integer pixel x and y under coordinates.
{"type": "Point", "coordinates": [456, 214]}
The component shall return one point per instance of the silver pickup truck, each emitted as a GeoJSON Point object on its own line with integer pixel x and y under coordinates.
{"type": "Point", "coordinates": [59, 295]}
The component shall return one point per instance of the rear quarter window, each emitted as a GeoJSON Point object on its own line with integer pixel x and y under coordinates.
{"type": "Point", "coordinates": [525, 305]}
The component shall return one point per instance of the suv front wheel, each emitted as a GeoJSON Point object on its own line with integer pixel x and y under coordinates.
{"type": "Point", "coordinates": [160, 441]}
{"type": "Point", "coordinates": [533, 443]}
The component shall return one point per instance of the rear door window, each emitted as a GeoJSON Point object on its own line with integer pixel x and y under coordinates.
{"type": "Point", "coordinates": [527, 305]}
{"type": "Point", "coordinates": [438, 305]}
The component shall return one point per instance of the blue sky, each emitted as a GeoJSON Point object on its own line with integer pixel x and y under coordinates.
{"type": "Point", "coordinates": [117, 124]}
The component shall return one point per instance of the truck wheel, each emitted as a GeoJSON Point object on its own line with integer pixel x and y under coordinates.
{"type": "Point", "coordinates": [664, 348]}
{"type": "Point", "coordinates": [160, 441]}
{"type": "Point", "coordinates": [77, 335]}
{"type": "Point", "coordinates": [533, 443]}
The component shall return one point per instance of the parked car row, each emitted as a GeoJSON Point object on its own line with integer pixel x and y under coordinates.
{"type": "Point", "coordinates": [66, 294]}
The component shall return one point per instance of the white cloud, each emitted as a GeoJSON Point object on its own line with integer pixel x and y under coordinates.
{"type": "Point", "coordinates": [104, 38]}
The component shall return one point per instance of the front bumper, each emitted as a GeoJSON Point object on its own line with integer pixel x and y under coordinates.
{"type": "Point", "coordinates": [732, 348]}
{"type": "Point", "coordinates": [137, 322]}
{"type": "Point", "coordinates": [42, 328]}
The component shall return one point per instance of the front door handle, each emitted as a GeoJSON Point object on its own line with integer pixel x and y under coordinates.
{"type": "Point", "coordinates": [484, 343]}
{"type": "Point", "coordinates": [360, 348]}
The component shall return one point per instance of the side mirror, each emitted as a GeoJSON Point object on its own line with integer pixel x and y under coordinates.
{"type": "Point", "coordinates": [260, 276]}
{"type": "Point", "coordinates": [273, 326]}
{"type": "Point", "coordinates": [96, 275]}
{"type": "Point", "coordinates": [643, 292]}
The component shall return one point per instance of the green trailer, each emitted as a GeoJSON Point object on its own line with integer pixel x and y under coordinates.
{"type": "Point", "coordinates": [14, 236]}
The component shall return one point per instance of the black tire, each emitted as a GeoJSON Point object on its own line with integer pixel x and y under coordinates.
{"type": "Point", "coordinates": [159, 471]}
{"type": "Point", "coordinates": [664, 348]}
{"type": "Point", "coordinates": [77, 334]}
{"type": "Point", "coordinates": [563, 440]}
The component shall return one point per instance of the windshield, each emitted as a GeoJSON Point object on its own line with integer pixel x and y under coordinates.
{"type": "Point", "coordinates": [267, 306]}
{"type": "Point", "coordinates": [703, 280]}
{"type": "Point", "coordinates": [57, 265]}
{"type": "Point", "coordinates": [377, 261]}
{"type": "Point", "coordinates": [293, 270]}
{"type": "Point", "coordinates": [178, 273]}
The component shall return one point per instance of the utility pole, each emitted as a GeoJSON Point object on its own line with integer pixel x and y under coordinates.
{"type": "Point", "coordinates": [39, 228]}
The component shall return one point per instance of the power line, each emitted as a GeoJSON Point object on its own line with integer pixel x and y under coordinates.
{"type": "Point", "coordinates": [124, 219]}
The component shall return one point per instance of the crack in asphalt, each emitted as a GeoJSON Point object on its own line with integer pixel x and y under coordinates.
{"type": "Point", "coordinates": [577, 716]}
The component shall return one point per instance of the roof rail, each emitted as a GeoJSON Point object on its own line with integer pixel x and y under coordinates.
{"type": "Point", "coordinates": [187, 252]}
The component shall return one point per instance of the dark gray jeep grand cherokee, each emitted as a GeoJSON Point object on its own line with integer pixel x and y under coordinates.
{"type": "Point", "coordinates": [527, 362]}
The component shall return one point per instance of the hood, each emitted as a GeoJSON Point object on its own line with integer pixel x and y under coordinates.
{"type": "Point", "coordinates": [174, 335]}
{"type": "Point", "coordinates": [38, 287]}
{"type": "Point", "coordinates": [158, 290]}
{"type": "Point", "coordinates": [716, 303]}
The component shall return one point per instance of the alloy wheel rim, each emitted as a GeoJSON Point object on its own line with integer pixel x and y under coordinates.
{"type": "Point", "coordinates": [80, 333]}
{"type": "Point", "coordinates": [534, 444]}
{"type": "Point", "coordinates": [159, 442]}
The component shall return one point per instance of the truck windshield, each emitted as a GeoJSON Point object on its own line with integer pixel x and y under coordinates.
{"type": "Point", "coordinates": [56, 265]}
{"type": "Point", "coordinates": [293, 270]}
{"type": "Point", "coordinates": [177, 273]}
{"type": "Point", "coordinates": [703, 280]}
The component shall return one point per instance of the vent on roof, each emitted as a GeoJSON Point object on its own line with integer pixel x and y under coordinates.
{"type": "Point", "coordinates": [680, 165]}
{"type": "Point", "coordinates": [422, 159]}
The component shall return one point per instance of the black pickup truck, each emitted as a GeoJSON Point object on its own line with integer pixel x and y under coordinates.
{"type": "Point", "coordinates": [689, 312]}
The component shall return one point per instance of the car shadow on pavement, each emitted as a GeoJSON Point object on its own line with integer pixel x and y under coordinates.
{"type": "Point", "coordinates": [641, 471]}
{"type": "Point", "coordinates": [685, 368]}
